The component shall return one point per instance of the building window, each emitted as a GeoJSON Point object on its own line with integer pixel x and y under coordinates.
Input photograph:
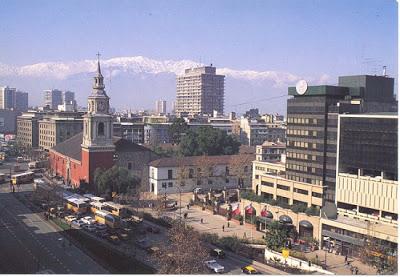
{"type": "Point", "coordinates": [246, 168]}
{"type": "Point", "coordinates": [169, 173]}
{"type": "Point", "coordinates": [301, 191]}
{"type": "Point", "coordinates": [316, 194]}
{"type": "Point", "coordinates": [100, 129]}
{"type": "Point", "coordinates": [164, 185]}
{"type": "Point", "coordinates": [129, 165]}
{"type": "Point", "coordinates": [170, 184]}
{"type": "Point", "coordinates": [191, 172]}
{"type": "Point", "coordinates": [227, 181]}
{"type": "Point", "coordinates": [268, 184]}
{"type": "Point", "coordinates": [210, 182]}
{"type": "Point", "coordinates": [283, 187]}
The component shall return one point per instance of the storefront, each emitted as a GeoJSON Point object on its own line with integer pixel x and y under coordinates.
{"type": "Point", "coordinates": [305, 230]}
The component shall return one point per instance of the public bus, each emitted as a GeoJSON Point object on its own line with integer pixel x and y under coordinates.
{"type": "Point", "coordinates": [107, 218]}
{"type": "Point", "coordinates": [38, 164]}
{"type": "Point", "coordinates": [116, 209]}
{"type": "Point", "coordinates": [22, 178]}
{"type": "Point", "coordinates": [96, 206]}
{"type": "Point", "coordinates": [76, 205]}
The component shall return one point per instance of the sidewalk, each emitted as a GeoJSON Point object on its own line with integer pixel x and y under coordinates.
{"type": "Point", "coordinates": [337, 265]}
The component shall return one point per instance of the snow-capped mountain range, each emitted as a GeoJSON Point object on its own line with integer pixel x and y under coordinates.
{"type": "Point", "coordinates": [142, 80]}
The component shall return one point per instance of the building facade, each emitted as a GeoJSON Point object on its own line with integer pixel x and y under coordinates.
{"type": "Point", "coordinates": [8, 121]}
{"type": "Point", "coordinates": [200, 91]}
{"type": "Point", "coordinates": [28, 128]}
{"type": "Point", "coordinates": [12, 99]}
{"type": "Point", "coordinates": [256, 131]}
{"type": "Point", "coordinates": [271, 152]}
{"type": "Point", "coordinates": [58, 128]}
{"type": "Point", "coordinates": [171, 175]}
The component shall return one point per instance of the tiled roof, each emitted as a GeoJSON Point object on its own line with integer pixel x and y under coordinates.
{"type": "Point", "coordinates": [199, 160]}
{"type": "Point", "coordinates": [72, 146]}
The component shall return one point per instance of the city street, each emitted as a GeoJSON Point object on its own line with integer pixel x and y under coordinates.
{"type": "Point", "coordinates": [30, 244]}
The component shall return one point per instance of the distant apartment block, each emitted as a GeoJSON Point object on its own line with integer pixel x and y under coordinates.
{"type": "Point", "coordinates": [256, 131]}
{"type": "Point", "coordinates": [200, 91]}
{"type": "Point", "coordinates": [161, 107]}
{"type": "Point", "coordinates": [270, 151]}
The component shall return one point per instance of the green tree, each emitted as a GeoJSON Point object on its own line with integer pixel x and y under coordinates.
{"type": "Point", "coordinates": [276, 237]}
{"type": "Point", "coordinates": [178, 128]}
{"type": "Point", "coordinates": [116, 179]}
{"type": "Point", "coordinates": [208, 141]}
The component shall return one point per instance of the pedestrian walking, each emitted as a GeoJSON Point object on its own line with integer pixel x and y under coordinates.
{"type": "Point", "coordinates": [188, 206]}
{"type": "Point", "coordinates": [229, 224]}
{"type": "Point", "coordinates": [201, 220]}
{"type": "Point", "coordinates": [356, 270]}
{"type": "Point", "coordinates": [345, 259]}
{"type": "Point", "coordinates": [244, 235]}
{"type": "Point", "coordinates": [223, 228]}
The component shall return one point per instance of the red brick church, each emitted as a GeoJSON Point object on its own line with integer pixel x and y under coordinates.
{"type": "Point", "coordinates": [77, 158]}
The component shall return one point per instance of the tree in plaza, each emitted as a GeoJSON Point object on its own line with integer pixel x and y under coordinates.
{"type": "Point", "coordinates": [116, 179]}
{"type": "Point", "coordinates": [239, 169]}
{"type": "Point", "coordinates": [277, 236]}
{"type": "Point", "coordinates": [208, 141]}
{"type": "Point", "coordinates": [183, 252]}
{"type": "Point", "coordinates": [178, 128]}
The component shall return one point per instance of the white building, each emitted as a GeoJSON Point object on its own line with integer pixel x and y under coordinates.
{"type": "Point", "coordinates": [170, 175]}
{"type": "Point", "coordinates": [161, 107]}
{"type": "Point", "coordinates": [200, 91]}
{"type": "Point", "coordinates": [256, 131]}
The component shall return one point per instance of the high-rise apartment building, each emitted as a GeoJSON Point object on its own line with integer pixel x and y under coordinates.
{"type": "Point", "coordinates": [200, 91]}
{"type": "Point", "coordinates": [53, 98]}
{"type": "Point", "coordinates": [161, 107]}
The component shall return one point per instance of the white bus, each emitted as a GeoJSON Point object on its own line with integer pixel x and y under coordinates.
{"type": "Point", "coordinates": [22, 178]}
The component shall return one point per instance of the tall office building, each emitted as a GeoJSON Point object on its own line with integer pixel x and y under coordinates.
{"type": "Point", "coordinates": [21, 101]}
{"type": "Point", "coordinates": [312, 124]}
{"type": "Point", "coordinates": [200, 91]}
{"type": "Point", "coordinates": [11, 99]}
{"type": "Point", "coordinates": [161, 107]}
{"type": "Point", "coordinates": [7, 98]}
{"type": "Point", "coordinates": [53, 98]}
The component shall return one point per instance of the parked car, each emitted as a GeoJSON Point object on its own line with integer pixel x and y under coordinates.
{"type": "Point", "coordinates": [100, 226]}
{"type": "Point", "coordinates": [88, 220]}
{"type": "Point", "coordinates": [250, 270]}
{"type": "Point", "coordinates": [70, 218]}
{"type": "Point", "coordinates": [214, 266]}
{"type": "Point", "coordinates": [113, 239]}
{"type": "Point", "coordinates": [76, 224]}
{"type": "Point", "coordinates": [216, 252]}
{"type": "Point", "coordinates": [89, 227]}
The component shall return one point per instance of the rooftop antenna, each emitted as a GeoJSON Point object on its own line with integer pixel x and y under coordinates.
{"type": "Point", "coordinates": [384, 71]}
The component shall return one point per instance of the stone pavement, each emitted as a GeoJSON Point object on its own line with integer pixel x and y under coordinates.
{"type": "Point", "coordinates": [337, 265]}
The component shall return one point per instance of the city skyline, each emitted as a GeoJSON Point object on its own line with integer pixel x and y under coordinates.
{"type": "Point", "coordinates": [249, 44]}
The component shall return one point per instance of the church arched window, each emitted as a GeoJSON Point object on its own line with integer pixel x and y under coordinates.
{"type": "Point", "coordinates": [100, 129]}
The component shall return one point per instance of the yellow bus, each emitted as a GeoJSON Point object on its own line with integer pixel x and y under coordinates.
{"type": "Point", "coordinates": [116, 209]}
{"type": "Point", "coordinates": [22, 178]}
{"type": "Point", "coordinates": [96, 206]}
{"type": "Point", "coordinates": [107, 218]}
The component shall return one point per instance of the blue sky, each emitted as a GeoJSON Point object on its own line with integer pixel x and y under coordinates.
{"type": "Point", "coordinates": [301, 37]}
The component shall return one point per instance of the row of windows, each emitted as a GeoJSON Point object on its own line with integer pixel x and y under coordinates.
{"type": "Point", "coordinates": [301, 144]}
{"type": "Point", "coordinates": [296, 120]}
{"type": "Point", "coordinates": [301, 132]}
{"type": "Point", "coordinates": [301, 156]}
{"type": "Point", "coordinates": [304, 180]}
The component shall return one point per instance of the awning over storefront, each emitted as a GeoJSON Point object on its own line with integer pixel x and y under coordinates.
{"type": "Point", "coordinates": [268, 214]}
{"type": "Point", "coordinates": [344, 238]}
{"type": "Point", "coordinates": [285, 219]}
{"type": "Point", "coordinates": [306, 224]}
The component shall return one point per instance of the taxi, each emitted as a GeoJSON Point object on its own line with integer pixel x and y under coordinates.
{"type": "Point", "coordinates": [249, 270]}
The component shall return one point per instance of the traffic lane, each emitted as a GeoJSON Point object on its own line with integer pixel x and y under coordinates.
{"type": "Point", "coordinates": [27, 242]}
{"type": "Point", "coordinates": [15, 257]}
{"type": "Point", "coordinates": [52, 242]}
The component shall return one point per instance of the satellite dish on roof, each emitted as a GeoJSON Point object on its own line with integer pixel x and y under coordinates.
{"type": "Point", "coordinates": [301, 87]}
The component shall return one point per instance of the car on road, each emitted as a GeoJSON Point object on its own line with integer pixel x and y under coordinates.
{"type": "Point", "coordinates": [216, 252]}
{"type": "Point", "coordinates": [70, 218]}
{"type": "Point", "coordinates": [214, 266]}
{"type": "Point", "coordinates": [89, 228]}
{"type": "Point", "coordinates": [88, 220]}
{"type": "Point", "coordinates": [113, 239]}
{"type": "Point", "coordinates": [100, 226]}
{"type": "Point", "coordinates": [249, 270]}
{"type": "Point", "coordinates": [102, 234]}
{"type": "Point", "coordinates": [77, 224]}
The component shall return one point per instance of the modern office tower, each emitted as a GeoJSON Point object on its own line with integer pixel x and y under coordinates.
{"type": "Point", "coordinates": [161, 107]}
{"type": "Point", "coordinates": [199, 91]}
{"type": "Point", "coordinates": [366, 186]}
{"type": "Point", "coordinates": [11, 99]}
{"type": "Point", "coordinates": [7, 98]}
{"type": "Point", "coordinates": [69, 98]}
{"type": "Point", "coordinates": [21, 101]}
{"type": "Point", "coordinates": [312, 125]}
{"type": "Point", "coordinates": [53, 98]}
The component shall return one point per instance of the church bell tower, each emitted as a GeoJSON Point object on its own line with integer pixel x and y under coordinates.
{"type": "Point", "coordinates": [97, 146]}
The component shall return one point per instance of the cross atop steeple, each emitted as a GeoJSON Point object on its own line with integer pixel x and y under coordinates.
{"type": "Point", "coordinates": [98, 64]}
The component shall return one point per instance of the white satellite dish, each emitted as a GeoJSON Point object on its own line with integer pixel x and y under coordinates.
{"type": "Point", "coordinates": [301, 87]}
